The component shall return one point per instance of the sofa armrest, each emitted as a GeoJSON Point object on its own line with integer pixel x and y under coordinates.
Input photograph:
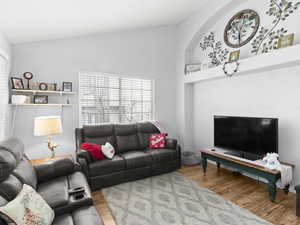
{"type": "Point", "coordinates": [297, 188]}
{"type": "Point", "coordinates": [84, 166]}
{"type": "Point", "coordinates": [171, 143]}
{"type": "Point", "coordinates": [84, 155]}
{"type": "Point", "coordinates": [55, 168]}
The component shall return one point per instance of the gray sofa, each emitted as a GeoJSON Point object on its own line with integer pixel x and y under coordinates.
{"type": "Point", "coordinates": [52, 180]}
{"type": "Point", "coordinates": [133, 159]}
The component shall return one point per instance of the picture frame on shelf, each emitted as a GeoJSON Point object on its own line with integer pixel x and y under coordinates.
{"type": "Point", "coordinates": [191, 68]}
{"type": "Point", "coordinates": [34, 85]}
{"type": "Point", "coordinates": [234, 56]}
{"type": "Point", "coordinates": [67, 87]}
{"type": "Point", "coordinates": [286, 41]}
{"type": "Point", "coordinates": [52, 87]}
{"type": "Point", "coordinates": [40, 99]}
{"type": "Point", "coordinates": [17, 83]}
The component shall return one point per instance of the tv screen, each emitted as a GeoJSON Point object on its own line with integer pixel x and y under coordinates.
{"type": "Point", "coordinates": [246, 134]}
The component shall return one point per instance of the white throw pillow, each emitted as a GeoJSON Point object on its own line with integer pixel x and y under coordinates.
{"type": "Point", "coordinates": [108, 150]}
{"type": "Point", "coordinates": [28, 208]}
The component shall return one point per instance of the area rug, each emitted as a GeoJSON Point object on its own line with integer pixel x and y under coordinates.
{"type": "Point", "coordinates": [172, 199]}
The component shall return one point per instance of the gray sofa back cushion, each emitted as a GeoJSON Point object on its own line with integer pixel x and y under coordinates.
{"type": "Point", "coordinates": [26, 173]}
{"type": "Point", "coordinates": [126, 137]}
{"type": "Point", "coordinates": [11, 153]}
{"type": "Point", "coordinates": [10, 188]}
{"type": "Point", "coordinates": [99, 134]}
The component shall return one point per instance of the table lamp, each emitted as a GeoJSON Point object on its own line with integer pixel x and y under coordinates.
{"type": "Point", "coordinates": [48, 126]}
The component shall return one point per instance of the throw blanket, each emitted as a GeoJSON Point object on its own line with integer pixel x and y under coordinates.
{"type": "Point", "coordinates": [286, 174]}
{"type": "Point", "coordinates": [158, 125]}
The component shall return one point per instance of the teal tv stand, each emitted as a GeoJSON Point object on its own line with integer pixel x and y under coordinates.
{"type": "Point", "coordinates": [271, 176]}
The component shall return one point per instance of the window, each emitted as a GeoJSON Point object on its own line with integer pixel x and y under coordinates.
{"type": "Point", "coordinates": [112, 99]}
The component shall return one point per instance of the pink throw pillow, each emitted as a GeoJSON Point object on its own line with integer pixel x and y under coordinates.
{"type": "Point", "coordinates": [157, 141]}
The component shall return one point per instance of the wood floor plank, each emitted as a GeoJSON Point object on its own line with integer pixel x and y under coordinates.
{"type": "Point", "coordinates": [243, 191]}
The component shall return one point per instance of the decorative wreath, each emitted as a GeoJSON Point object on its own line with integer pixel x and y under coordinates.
{"type": "Point", "coordinates": [230, 68]}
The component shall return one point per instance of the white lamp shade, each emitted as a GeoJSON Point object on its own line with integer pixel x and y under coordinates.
{"type": "Point", "coordinates": [47, 125]}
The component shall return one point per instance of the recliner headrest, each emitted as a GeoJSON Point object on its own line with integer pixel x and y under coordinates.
{"type": "Point", "coordinates": [11, 153]}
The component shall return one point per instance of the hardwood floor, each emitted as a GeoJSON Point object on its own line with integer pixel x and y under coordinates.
{"type": "Point", "coordinates": [243, 191]}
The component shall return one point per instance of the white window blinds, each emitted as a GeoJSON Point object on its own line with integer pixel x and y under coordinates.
{"type": "Point", "coordinates": [3, 98]}
{"type": "Point", "coordinates": [111, 99]}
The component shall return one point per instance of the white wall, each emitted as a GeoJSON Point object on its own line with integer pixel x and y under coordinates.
{"type": "Point", "coordinates": [271, 94]}
{"type": "Point", "coordinates": [145, 53]}
{"type": "Point", "coordinates": [186, 31]}
{"type": "Point", "coordinates": [5, 60]}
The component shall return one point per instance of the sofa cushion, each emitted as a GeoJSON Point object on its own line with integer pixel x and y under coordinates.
{"type": "Point", "coordinates": [26, 173]}
{"type": "Point", "coordinates": [107, 166]}
{"type": "Point", "coordinates": [10, 188]}
{"type": "Point", "coordinates": [55, 192]}
{"type": "Point", "coordinates": [162, 155]}
{"type": "Point", "coordinates": [54, 168]}
{"type": "Point", "coordinates": [65, 219]}
{"type": "Point", "coordinates": [81, 216]}
{"type": "Point", "coordinates": [99, 134]}
{"type": "Point", "coordinates": [7, 164]}
{"type": "Point", "coordinates": [84, 214]}
{"type": "Point", "coordinates": [126, 137]}
{"type": "Point", "coordinates": [136, 159]}
{"type": "Point", "coordinates": [144, 131]}
{"type": "Point", "coordinates": [11, 153]}
{"type": "Point", "coordinates": [15, 146]}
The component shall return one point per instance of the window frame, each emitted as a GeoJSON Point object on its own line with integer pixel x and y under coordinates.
{"type": "Point", "coordinates": [84, 73]}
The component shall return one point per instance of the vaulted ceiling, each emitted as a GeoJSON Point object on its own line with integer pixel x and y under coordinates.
{"type": "Point", "coordinates": [36, 20]}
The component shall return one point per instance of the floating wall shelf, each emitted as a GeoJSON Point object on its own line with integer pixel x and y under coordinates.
{"type": "Point", "coordinates": [278, 59]}
{"type": "Point", "coordinates": [42, 92]}
{"type": "Point", "coordinates": [31, 104]}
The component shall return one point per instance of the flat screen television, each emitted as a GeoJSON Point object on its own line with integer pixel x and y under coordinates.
{"type": "Point", "coordinates": [246, 136]}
